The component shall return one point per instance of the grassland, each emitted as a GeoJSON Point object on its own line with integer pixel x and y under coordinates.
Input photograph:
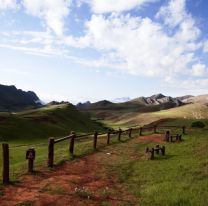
{"type": "Point", "coordinates": [178, 179]}
{"type": "Point", "coordinates": [32, 128]}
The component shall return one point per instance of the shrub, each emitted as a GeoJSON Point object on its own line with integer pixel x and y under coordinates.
{"type": "Point", "coordinates": [198, 124]}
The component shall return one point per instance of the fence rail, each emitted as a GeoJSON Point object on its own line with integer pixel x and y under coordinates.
{"type": "Point", "coordinates": [30, 154]}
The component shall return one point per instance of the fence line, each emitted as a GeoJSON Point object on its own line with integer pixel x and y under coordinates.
{"type": "Point", "coordinates": [30, 153]}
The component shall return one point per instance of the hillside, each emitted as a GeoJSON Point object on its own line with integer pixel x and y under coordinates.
{"type": "Point", "coordinates": [197, 108]}
{"type": "Point", "coordinates": [143, 110]}
{"type": "Point", "coordinates": [53, 120]}
{"type": "Point", "coordinates": [13, 99]}
{"type": "Point", "coordinates": [145, 104]}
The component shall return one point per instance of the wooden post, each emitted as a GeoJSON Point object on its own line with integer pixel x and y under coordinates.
{"type": "Point", "coordinates": [152, 154]}
{"type": "Point", "coordinates": [30, 156]}
{"type": "Point", "coordinates": [119, 134]}
{"type": "Point", "coordinates": [157, 149]}
{"type": "Point", "coordinates": [130, 131]}
{"type": "Point", "coordinates": [184, 130]}
{"type": "Point", "coordinates": [180, 138]}
{"type": "Point", "coordinates": [71, 146]}
{"type": "Point", "coordinates": [171, 138]}
{"type": "Point", "coordinates": [50, 152]}
{"type": "Point", "coordinates": [177, 137]}
{"type": "Point", "coordinates": [5, 169]}
{"type": "Point", "coordinates": [108, 138]}
{"type": "Point", "coordinates": [163, 150]}
{"type": "Point", "coordinates": [155, 129]}
{"type": "Point", "coordinates": [147, 149]}
{"type": "Point", "coordinates": [95, 140]}
{"type": "Point", "coordinates": [140, 131]}
{"type": "Point", "coordinates": [167, 136]}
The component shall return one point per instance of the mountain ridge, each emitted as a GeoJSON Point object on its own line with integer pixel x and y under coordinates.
{"type": "Point", "coordinates": [13, 99]}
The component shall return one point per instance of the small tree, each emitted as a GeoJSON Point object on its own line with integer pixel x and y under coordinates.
{"type": "Point", "coordinates": [198, 124]}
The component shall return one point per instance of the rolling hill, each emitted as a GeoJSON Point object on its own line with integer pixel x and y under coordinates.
{"type": "Point", "coordinates": [143, 110]}
{"type": "Point", "coordinates": [44, 122]}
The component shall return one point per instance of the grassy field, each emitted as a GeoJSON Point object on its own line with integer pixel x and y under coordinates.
{"type": "Point", "coordinates": [178, 179]}
{"type": "Point", "coordinates": [32, 128]}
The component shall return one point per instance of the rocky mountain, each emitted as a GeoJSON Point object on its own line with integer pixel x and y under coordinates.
{"type": "Point", "coordinates": [13, 99]}
{"type": "Point", "coordinates": [159, 99]}
{"type": "Point", "coordinates": [153, 103]}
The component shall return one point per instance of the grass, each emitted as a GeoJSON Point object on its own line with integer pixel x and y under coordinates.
{"type": "Point", "coordinates": [178, 179]}
{"type": "Point", "coordinates": [35, 125]}
{"type": "Point", "coordinates": [32, 128]}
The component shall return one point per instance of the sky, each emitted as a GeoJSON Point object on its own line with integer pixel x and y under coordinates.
{"type": "Point", "coordinates": [79, 50]}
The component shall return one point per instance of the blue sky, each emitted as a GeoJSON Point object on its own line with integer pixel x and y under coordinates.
{"type": "Point", "coordinates": [80, 50]}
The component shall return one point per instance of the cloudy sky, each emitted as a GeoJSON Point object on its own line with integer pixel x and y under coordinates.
{"type": "Point", "coordinates": [80, 50]}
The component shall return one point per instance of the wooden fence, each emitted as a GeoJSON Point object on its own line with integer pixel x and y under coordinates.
{"type": "Point", "coordinates": [30, 154]}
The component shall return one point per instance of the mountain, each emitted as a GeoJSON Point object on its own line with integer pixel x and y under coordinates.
{"type": "Point", "coordinates": [160, 99]}
{"type": "Point", "coordinates": [13, 99]}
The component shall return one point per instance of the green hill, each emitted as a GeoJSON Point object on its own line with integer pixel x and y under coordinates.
{"type": "Point", "coordinates": [53, 120]}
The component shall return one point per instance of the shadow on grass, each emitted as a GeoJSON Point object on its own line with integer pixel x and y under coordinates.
{"type": "Point", "coordinates": [166, 157]}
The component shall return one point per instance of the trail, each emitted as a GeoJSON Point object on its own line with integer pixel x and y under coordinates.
{"type": "Point", "coordinates": [81, 182]}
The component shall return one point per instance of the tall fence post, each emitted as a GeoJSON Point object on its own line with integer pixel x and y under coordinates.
{"type": "Point", "coordinates": [95, 140]}
{"type": "Point", "coordinates": [71, 146]}
{"type": "Point", "coordinates": [119, 134]}
{"type": "Point", "coordinates": [108, 137]}
{"type": "Point", "coordinates": [130, 131]}
{"type": "Point", "coordinates": [5, 170]}
{"type": "Point", "coordinates": [51, 152]}
{"type": "Point", "coordinates": [184, 130]}
{"type": "Point", "coordinates": [140, 131]}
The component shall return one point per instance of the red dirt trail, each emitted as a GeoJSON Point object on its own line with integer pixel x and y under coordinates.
{"type": "Point", "coordinates": [81, 182]}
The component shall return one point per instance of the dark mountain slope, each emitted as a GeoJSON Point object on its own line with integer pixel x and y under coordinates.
{"type": "Point", "coordinates": [13, 99]}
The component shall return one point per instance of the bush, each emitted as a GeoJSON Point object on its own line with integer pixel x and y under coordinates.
{"type": "Point", "coordinates": [198, 124]}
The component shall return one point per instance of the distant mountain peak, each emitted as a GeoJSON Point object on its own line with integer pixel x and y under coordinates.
{"type": "Point", "coordinates": [12, 99]}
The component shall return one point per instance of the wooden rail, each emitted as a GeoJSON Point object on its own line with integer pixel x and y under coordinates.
{"type": "Point", "coordinates": [72, 139]}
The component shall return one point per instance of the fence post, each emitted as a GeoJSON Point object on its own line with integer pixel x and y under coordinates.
{"type": "Point", "coordinates": [30, 156]}
{"type": "Point", "coordinates": [95, 140]}
{"type": "Point", "coordinates": [119, 134]}
{"type": "Point", "coordinates": [108, 138]}
{"type": "Point", "coordinates": [167, 136]}
{"type": "Point", "coordinates": [155, 129]}
{"type": "Point", "coordinates": [71, 146]}
{"type": "Point", "coordinates": [163, 150]}
{"type": "Point", "coordinates": [140, 131]}
{"type": "Point", "coordinates": [152, 154]}
{"type": "Point", "coordinates": [184, 130]}
{"type": "Point", "coordinates": [5, 170]}
{"type": "Point", "coordinates": [130, 131]}
{"type": "Point", "coordinates": [50, 152]}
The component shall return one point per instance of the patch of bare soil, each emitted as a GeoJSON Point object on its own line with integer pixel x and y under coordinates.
{"type": "Point", "coordinates": [80, 182]}
{"type": "Point", "coordinates": [158, 138]}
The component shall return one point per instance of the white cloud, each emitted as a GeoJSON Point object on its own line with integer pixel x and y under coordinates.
{"type": "Point", "coordinates": [8, 4]}
{"type": "Point", "coordinates": [52, 12]}
{"type": "Point", "coordinates": [173, 13]}
{"type": "Point", "coordinates": [199, 70]}
{"type": "Point", "coordinates": [140, 45]}
{"type": "Point", "coordinates": [106, 6]}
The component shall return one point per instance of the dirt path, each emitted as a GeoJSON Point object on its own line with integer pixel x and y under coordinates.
{"type": "Point", "coordinates": [83, 181]}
